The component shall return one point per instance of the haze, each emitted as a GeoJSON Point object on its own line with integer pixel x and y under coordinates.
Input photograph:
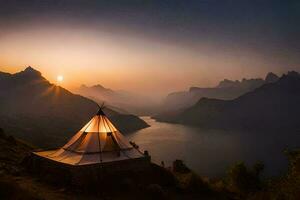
{"type": "Point", "coordinates": [149, 47]}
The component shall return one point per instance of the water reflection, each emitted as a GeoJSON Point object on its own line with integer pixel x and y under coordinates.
{"type": "Point", "coordinates": [210, 152]}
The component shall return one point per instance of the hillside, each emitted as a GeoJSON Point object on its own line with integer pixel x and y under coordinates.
{"type": "Point", "coordinates": [12, 152]}
{"type": "Point", "coordinates": [44, 114]}
{"type": "Point", "coordinates": [17, 182]}
{"type": "Point", "coordinates": [271, 106]}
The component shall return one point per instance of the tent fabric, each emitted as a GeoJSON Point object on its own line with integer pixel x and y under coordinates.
{"type": "Point", "coordinates": [98, 141]}
{"type": "Point", "coordinates": [72, 158]}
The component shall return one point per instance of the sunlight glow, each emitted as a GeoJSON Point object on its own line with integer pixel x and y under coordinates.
{"type": "Point", "coordinates": [59, 78]}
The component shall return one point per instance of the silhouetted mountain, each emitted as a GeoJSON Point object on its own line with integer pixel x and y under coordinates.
{"type": "Point", "coordinates": [226, 90]}
{"type": "Point", "coordinates": [4, 75]}
{"type": "Point", "coordinates": [271, 77]}
{"type": "Point", "coordinates": [96, 88]}
{"type": "Point", "coordinates": [46, 114]}
{"type": "Point", "coordinates": [123, 101]}
{"type": "Point", "coordinates": [244, 84]}
{"type": "Point", "coordinates": [271, 106]}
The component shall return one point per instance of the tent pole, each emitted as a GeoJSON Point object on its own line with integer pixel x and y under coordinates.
{"type": "Point", "coordinates": [100, 151]}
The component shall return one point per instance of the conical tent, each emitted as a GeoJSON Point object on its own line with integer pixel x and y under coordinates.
{"type": "Point", "coordinates": [98, 141]}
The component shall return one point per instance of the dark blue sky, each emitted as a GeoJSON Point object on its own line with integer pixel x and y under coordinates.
{"type": "Point", "coordinates": [266, 29]}
{"type": "Point", "coordinates": [250, 22]}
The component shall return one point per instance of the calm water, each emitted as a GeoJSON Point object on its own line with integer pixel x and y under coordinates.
{"type": "Point", "coordinates": [210, 152]}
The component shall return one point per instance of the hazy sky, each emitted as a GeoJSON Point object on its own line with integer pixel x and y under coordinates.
{"type": "Point", "coordinates": [152, 47]}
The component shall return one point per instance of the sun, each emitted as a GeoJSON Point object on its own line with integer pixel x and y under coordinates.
{"type": "Point", "coordinates": [60, 78]}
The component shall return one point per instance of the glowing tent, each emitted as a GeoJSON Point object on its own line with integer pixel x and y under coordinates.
{"type": "Point", "coordinates": [98, 142]}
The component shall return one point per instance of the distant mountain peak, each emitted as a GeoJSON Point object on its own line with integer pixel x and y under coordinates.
{"type": "Point", "coordinates": [271, 77]}
{"type": "Point", "coordinates": [293, 74]}
{"type": "Point", "coordinates": [29, 71]}
{"type": "Point", "coordinates": [228, 83]}
{"type": "Point", "coordinates": [83, 86]}
{"type": "Point", "coordinates": [29, 68]}
{"type": "Point", "coordinates": [98, 86]}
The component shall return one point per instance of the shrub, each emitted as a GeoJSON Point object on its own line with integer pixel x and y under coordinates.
{"type": "Point", "coordinates": [179, 166]}
{"type": "Point", "coordinates": [288, 186]}
{"type": "Point", "coordinates": [242, 180]}
{"type": "Point", "coordinates": [196, 184]}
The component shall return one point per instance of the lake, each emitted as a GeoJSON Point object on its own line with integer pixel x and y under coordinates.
{"type": "Point", "coordinates": [211, 152]}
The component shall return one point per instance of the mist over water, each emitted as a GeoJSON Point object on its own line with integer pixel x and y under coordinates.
{"type": "Point", "coordinates": [211, 152]}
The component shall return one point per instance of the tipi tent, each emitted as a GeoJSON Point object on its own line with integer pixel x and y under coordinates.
{"type": "Point", "coordinates": [98, 142]}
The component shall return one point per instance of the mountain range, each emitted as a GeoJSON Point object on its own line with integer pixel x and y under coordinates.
{"type": "Point", "coordinates": [226, 90]}
{"type": "Point", "coordinates": [45, 114]}
{"type": "Point", "coordinates": [272, 106]}
{"type": "Point", "coordinates": [123, 101]}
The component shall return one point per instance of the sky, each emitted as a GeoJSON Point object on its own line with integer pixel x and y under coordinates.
{"type": "Point", "coordinates": [150, 47]}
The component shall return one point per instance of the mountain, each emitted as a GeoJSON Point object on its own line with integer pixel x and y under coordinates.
{"type": "Point", "coordinates": [104, 93]}
{"type": "Point", "coordinates": [123, 101]}
{"type": "Point", "coordinates": [226, 90]}
{"type": "Point", "coordinates": [45, 114]}
{"type": "Point", "coordinates": [271, 77]}
{"type": "Point", "coordinates": [273, 106]}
